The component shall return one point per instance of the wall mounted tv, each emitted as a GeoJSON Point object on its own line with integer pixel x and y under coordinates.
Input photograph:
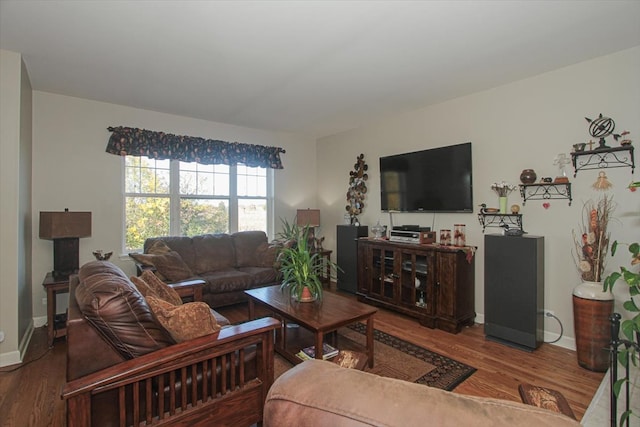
{"type": "Point", "coordinates": [433, 180]}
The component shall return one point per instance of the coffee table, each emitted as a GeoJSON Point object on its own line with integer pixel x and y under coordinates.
{"type": "Point", "coordinates": [321, 318]}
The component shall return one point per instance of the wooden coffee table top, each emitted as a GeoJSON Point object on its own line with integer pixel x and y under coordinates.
{"type": "Point", "coordinates": [328, 314]}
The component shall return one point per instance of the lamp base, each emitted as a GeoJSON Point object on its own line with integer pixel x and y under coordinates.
{"type": "Point", "coordinates": [65, 256]}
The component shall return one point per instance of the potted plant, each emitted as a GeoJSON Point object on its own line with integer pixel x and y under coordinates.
{"type": "Point", "coordinates": [630, 327]}
{"type": "Point", "coordinates": [301, 267]}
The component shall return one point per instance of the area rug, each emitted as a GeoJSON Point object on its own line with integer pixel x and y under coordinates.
{"type": "Point", "coordinates": [396, 358]}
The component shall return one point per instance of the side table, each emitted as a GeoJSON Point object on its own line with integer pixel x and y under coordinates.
{"type": "Point", "coordinates": [54, 285]}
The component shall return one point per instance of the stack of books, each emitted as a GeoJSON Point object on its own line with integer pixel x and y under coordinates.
{"type": "Point", "coordinates": [328, 352]}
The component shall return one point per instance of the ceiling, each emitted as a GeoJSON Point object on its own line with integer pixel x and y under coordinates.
{"type": "Point", "coordinates": [314, 67]}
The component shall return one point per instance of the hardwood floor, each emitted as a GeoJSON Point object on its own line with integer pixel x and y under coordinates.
{"type": "Point", "coordinates": [30, 395]}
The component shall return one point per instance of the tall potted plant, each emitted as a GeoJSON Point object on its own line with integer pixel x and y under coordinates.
{"type": "Point", "coordinates": [301, 267]}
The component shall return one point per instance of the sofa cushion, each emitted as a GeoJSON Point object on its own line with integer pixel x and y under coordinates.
{"type": "Point", "coordinates": [170, 265]}
{"type": "Point", "coordinates": [110, 302]}
{"type": "Point", "coordinates": [150, 285]}
{"type": "Point", "coordinates": [227, 281]}
{"type": "Point", "coordinates": [261, 275]}
{"type": "Point", "coordinates": [186, 321]}
{"type": "Point", "coordinates": [250, 247]}
{"type": "Point", "coordinates": [213, 252]}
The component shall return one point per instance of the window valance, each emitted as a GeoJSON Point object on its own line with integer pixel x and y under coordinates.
{"type": "Point", "coordinates": [125, 141]}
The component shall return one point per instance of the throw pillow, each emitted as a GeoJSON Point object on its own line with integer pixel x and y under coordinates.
{"type": "Point", "coordinates": [168, 263]}
{"type": "Point", "coordinates": [184, 322]}
{"type": "Point", "coordinates": [150, 285]}
{"type": "Point", "coordinates": [159, 247]}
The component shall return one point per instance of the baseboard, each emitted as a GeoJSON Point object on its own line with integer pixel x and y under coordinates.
{"type": "Point", "coordinates": [26, 339]}
{"type": "Point", "coordinates": [10, 358]}
{"type": "Point", "coordinates": [564, 342]}
{"type": "Point", "coordinates": [15, 357]}
{"type": "Point", "coordinates": [39, 322]}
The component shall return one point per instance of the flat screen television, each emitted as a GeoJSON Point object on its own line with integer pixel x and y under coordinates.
{"type": "Point", "coordinates": [433, 180]}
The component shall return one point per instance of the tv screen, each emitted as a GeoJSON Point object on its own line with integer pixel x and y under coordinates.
{"type": "Point", "coordinates": [434, 180]}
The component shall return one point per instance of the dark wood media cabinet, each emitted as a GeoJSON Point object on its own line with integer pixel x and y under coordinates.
{"type": "Point", "coordinates": [432, 283]}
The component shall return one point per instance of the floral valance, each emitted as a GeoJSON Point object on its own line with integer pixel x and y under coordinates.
{"type": "Point", "coordinates": [127, 141]}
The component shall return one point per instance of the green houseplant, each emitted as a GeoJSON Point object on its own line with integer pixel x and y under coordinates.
{"type": "Point", "coordinates": [300, 266]}
{"type": "Point", "coordinates": [631, 327]}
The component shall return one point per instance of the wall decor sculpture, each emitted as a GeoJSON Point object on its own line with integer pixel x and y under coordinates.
{"type": "Point", "coordinates": [357, 189]}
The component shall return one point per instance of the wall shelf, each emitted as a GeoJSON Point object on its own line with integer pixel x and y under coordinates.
{"type": "Point", "coordinates": [499, 220]}
{"type": "Point", "coordinates": [603, 158]}
{"type": "Point", "coordinates": [546, 191]}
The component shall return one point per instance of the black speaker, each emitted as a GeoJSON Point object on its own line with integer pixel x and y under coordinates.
{"type": "Point", "coordinates": [514, 290]}
{"type": "Point", "coordinates": [347, 256]}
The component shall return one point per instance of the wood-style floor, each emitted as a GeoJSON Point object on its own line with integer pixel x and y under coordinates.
{"type": "Point", "coordinates": [30, 395]}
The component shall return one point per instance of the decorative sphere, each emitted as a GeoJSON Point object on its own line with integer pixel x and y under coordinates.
{"type": "Point", "coordinates": [515, 209]}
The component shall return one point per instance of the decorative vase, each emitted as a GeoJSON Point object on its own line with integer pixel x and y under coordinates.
{"type": "Point", "coordinates": [503, 204]}
{"type": "Point", "coordinates": [459, 235]}
{"type": "Point", "coordinates": [591, 310]}
{"type": "Point", "coordinates": [528, 176]}
{"type": "Point", "coordinates": [378, 231]}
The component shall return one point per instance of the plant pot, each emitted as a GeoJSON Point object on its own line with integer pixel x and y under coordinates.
{"type": "Point", "coordinates": [305, 296]}
{"type": "Point", "coordinates": [591, 310]}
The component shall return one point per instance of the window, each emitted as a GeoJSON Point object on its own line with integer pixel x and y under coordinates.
{"type": "Point", "coordinates": [170, 197]}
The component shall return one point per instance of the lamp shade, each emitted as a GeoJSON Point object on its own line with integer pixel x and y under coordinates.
{"type": "Point", "coordinates": [308, 217]}
{"type": "Point", "coordinates": [62, 225]}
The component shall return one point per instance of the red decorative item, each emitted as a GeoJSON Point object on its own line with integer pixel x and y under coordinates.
{"type": "Point", "coordinates": [546, 205]}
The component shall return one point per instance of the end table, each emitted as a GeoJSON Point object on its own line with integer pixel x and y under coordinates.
{"type": "Point", "coordinates": [54, 284]}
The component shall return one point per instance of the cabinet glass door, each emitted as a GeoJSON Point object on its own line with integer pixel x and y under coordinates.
{"type": "Point", "coordinates": [414, 282]}
{"type": "Point", "coordinates": [382, 273]}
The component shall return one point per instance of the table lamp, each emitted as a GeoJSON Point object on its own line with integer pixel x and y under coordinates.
{"type": "Point", "coordinates": [65, 229]}
{"type": "Point", "coordinates": [309, 218]}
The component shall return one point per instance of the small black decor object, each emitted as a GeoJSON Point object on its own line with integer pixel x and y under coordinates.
{"type": "Point", "coordinates": [601, 128]}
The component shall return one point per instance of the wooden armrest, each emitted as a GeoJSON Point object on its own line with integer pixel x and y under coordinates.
{"type": "Point", "coordinates": [176, 356]}
{"type": "Point", "coordinates": [189, 289]}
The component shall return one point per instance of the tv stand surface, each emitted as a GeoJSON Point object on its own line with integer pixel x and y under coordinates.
{"type": "Point", "coordinates": [432, 283]}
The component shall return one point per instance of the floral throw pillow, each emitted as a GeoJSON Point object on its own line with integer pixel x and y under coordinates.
{"type": "Point", "coordinates": [184, 322]}
{"type": "Point", "coordinates": [150, 285]}
{"type": "Point", "coordinates": [169, 263]}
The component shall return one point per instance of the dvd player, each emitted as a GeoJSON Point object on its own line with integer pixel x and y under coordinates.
{"type": "Point", "coordinates": [404, 236]}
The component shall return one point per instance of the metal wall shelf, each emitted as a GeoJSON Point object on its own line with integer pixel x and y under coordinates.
{"type": "Point", "coordinates": [499, 220]}
{"type": "Point", "coordinates": [545, 191]}
{"type": "Point", "coordinates": [612, 157]}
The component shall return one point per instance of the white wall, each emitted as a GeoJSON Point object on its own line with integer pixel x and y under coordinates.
{"type": "Point", "coordinates": [520, 125]}
{"type": "Point", "coordinates": [72, 170]}
{"type": "Point", "coordinates": [15, 207]}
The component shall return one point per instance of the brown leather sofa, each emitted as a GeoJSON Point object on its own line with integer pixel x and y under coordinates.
{"type": "Point", "coordinates": [228, 263]}
{"type": "Point", "coordinates": [318, 393]}
{"type": "Point", "coordinates": [124, 368]}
